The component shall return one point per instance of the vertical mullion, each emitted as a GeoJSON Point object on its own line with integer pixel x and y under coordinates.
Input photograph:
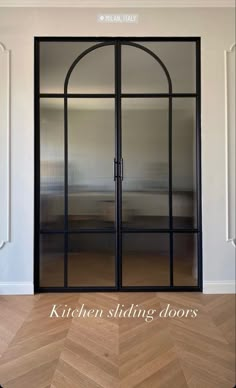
{"type": "Point", "coordinates": [170, 191]}
{"type": "Point", "coordinates": [118, 160]}
{"type": "Point", "coordinates": [198, 159]}
{"type": "Point", "coordinates": [37, 161]}
{"type": "Point", "coordinates": [65, 191]}
{"type": "Point", "coordinates": [198, 136]}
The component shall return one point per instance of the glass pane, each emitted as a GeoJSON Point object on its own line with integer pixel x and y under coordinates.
{"type": "Point", "coordinates": [91, 259]}
{"type": "Point", "coordinates": [51, 163]}
{"type": "Point", "coordinates": [184, 163]}
{"type": "Point", "coordinates": [93, 74]}
{"type": "Point", "coordinates": [180, 60]}
{"type": "Point", "coordinates": [51, 260]}
{"type": "Point", "coordinates": [145, 154]}
{"type": "Point", "coordinates": [91, 153]}
{"type": "Point", "coordinates": [185, 259]}
{"type": "Point", "coordinates": [141, 73]}
{"type": "Point", "coordinates": [145, 259]}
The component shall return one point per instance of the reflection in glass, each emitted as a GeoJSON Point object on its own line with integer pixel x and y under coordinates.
{"type": "Point", "coordinates": [51, 260]}
{"type": "Point", "coordinates": [184, 163]}
{"type": "Point", "coordinates": [91, 137]}
{"type": "Point", "coordinates": [51, 163]}
{"type": "Point", "coordinates": [91, 259]}
{"type": "Point", "coordinates": [145, 259]}
{"type": "Point", "coordinates": [141, 73]}
{"type": "Point", "coordinates": [93, 74]}
{"type": "Point", "coordinates": [185, 259]}
{"type": "Point", "coordinates": [145, 153]}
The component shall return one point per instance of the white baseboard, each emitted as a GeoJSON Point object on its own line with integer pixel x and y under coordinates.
{"type": "Point", "coordinates": [219, 287]}
{"type": "Point", "coordinates": [16, 288]}
{"type": "Point", "coordinates": [27, 288]}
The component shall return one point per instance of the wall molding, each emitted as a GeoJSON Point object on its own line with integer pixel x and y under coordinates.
{"type": "Point", "coordinates": [16, 288]}
{"type": "Point", "coordinates": [4, 145]}
{"type": "Point", "coordinates": [119, 3]}
{"type": "Point", "coordinates": [230, 143]}
{"type": "Point", "coordinates": [219, 287]}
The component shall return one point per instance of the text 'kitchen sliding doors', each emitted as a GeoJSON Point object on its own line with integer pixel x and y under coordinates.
{"type": "Point", "coordinates": [117, 164]}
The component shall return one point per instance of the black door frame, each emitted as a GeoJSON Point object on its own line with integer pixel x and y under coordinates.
{"type": "Point", "coordinates": [118, 163]}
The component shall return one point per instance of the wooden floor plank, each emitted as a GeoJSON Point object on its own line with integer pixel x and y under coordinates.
{"type": "Point", "coordinates": [13, 313]}
{"type": "Point", "coordinates": [104, 352]}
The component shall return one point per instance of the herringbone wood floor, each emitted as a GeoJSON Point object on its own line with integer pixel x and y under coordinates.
{"type": "Point", "coordinates": [39, 352]}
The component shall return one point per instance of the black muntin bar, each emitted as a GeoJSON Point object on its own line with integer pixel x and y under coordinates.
{"type": "Point", "coordinates": [77, 95]}
{"type": "Point", "coordinates": [198, 156]}
{"type": "Point", "coordinates": [157, 95]}
{"type": "Point", "coordinates": [36, 165]}
{"type": "Point", "coordinates": [112, 95]}
{"type": "Point", "coordinates": [124, 230]}
{"type": "Point", "coordinates": [170, 194]}
{"type": "Point", "coordinates": [123, 289]}
{"type": "Point", "coordinates": [65, 192]}
{"type": "Point", "coordinates": [118, 280]}
{"type": "Point", "coordinates": [112, 39]}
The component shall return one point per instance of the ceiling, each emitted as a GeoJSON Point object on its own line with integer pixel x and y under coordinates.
{"type": "Point", "coordinates": [117, 3]}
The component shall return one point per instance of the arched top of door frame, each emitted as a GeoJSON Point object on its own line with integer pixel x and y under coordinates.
{"type": "Point", "coordinates": [150, 52]}
{"type": "Point", "coordinates": [99, 45]}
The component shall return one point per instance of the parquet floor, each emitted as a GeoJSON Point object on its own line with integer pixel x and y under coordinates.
{"type": "Point", "coordinates": [41, 352]}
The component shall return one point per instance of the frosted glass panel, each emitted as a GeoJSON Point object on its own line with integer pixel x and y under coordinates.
{"type": "Point", "coordinates": [184, 163]}
{"type": "Point", "coordinates": [91, 259]}
{"type": "Point", "coordinates": [145, 259]}
{"type": "Point", "coordinates": [51, 260]}
{"type": "Point", "coordinates": [145, 153]}
{"type": "Point", "coordinates": [52, 163]}
{"type": "Point", "coordinates": [93, 74]}
{"type": "Point", "coordinates": [185, 259]}
{"type": "Point", "coordinates": [141, 73]}
{"type": "Point", "coordinates": [91, 137]}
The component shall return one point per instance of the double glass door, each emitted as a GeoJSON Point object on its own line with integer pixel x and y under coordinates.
{"type": "Point", "coordinates": [117, 164]}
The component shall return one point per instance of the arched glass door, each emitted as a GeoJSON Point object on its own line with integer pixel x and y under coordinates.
{"type": "Point", "coordinates": [117, 172]}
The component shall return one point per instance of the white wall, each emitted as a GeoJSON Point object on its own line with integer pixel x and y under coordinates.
{"type": "Point", "coordinates": [17, 29]}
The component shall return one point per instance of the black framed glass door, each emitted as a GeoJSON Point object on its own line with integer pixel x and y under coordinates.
{"type": "Point", "coordinates": [117, 164]}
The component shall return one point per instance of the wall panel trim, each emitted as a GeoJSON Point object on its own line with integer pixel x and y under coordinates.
{"type": "Point", "coordinates": [4, 145]}
{"type": "Point", "coordinates": [230, 143]}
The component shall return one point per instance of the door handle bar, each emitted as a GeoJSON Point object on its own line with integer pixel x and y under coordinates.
{"type": "Point", "coordinates": [122, 169]}
{"type": "Point", "coordinates": [118, 169]}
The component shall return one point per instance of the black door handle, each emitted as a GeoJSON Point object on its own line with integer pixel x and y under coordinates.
{"type": "Point", "coordinates": [122, 169]}
{"type": "Point", "coordinates": [118, 169]}
{"type": "Point", "coordinates": [115, 169]}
